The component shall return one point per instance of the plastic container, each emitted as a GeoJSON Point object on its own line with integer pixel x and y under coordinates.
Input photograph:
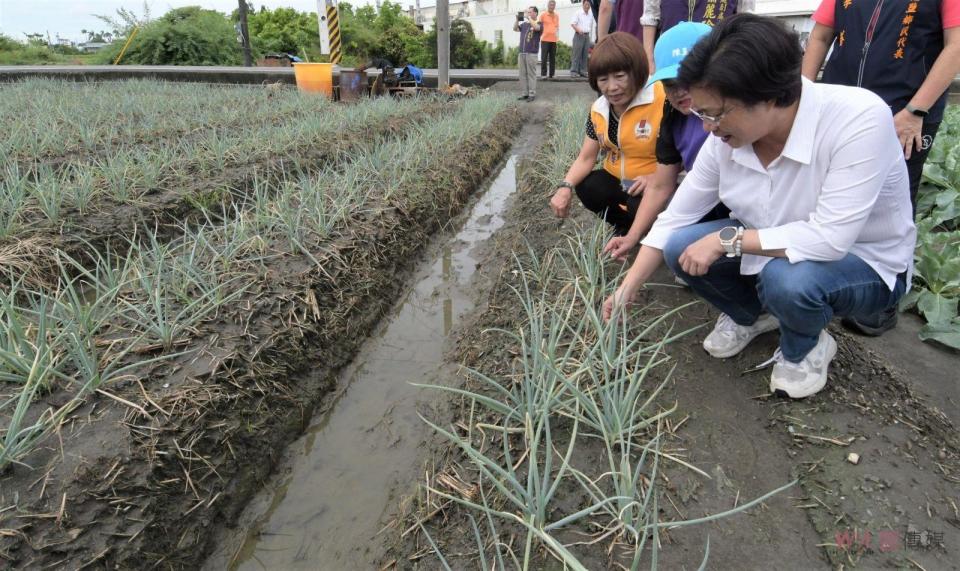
{"type": "Point", "coordinates": [314, 77]}
{"type": "Point", "coordinates": [353, 84]}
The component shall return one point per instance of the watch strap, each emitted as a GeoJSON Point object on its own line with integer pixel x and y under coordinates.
{"type": "Point", "coordinates": [916, 111]}
{"type": "Point", "coordinates": [565, 184]}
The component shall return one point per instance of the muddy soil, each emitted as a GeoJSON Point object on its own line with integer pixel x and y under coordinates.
{"type": "Point", "coordinates": [896, 508]}
{"type": "Point", "coordinates": [138, 478]}
{"type": "Point", "coordinates": [368, 445]}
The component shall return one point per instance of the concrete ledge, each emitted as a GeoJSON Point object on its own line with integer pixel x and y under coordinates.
{"type": "Point", "coordinates": [235, 75]}
{"type": "Point", "coordinates": [261, 75]}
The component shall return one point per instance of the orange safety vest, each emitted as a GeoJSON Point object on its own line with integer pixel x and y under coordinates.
{"type": "Point", "coordinates": [636, 154]}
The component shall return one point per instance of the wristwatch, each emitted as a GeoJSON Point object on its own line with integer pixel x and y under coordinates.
{"type": "Point", "coordinates": [731, 238]}
{"type": "Point", "coordinates": [918, 112]}
{"type": "Point", "coordinates": [565, 184]}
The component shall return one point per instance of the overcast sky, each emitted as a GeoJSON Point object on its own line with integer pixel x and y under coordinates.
{"type": "Point", "coordinates": [68, 17]}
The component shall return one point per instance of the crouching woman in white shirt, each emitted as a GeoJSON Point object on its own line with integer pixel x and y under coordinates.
{"type": "Point", "coordinates": [814, 175]}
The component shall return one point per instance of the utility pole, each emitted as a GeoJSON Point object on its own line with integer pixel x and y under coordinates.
{"type": "Point", "coordinates": [443, 43]}
{"type": "Point", "coordinates": [245, 35]}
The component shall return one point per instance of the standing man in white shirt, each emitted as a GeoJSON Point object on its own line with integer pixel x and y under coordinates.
{"type": "Point", "coordinates": [583, 25]}
{"type": "Point", "coordinates": [822, 223]}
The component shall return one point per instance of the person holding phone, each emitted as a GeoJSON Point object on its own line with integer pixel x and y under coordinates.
{"type": "Point", "coordinates": [623, 123]}
{"type": "Point", "coordinates": [529, 29]}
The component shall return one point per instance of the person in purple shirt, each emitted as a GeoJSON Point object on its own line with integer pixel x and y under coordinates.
{"type": "Point", "coordinates": [624, 16]}
{"type": "Point", "coordinates": [658, 16]}
{"type": "Point", "coordinates": [681, 136]}
{"type": "Point", "coordinates": [530, 30]}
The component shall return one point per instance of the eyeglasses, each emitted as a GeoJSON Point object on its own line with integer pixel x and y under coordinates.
{"type": "Point", "coordinates": [711, 119]}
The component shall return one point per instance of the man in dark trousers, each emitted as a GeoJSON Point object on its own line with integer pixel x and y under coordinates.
{"type": "Point", "coordinates": [905, 51]}
{"type": "Point", "coordinates": [550, 27]}
{"type": "Point", "coordinates": [583, 25]}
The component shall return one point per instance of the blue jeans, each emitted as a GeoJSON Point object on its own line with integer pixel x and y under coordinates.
{"type": "Point", "coordinates": [803, 296]}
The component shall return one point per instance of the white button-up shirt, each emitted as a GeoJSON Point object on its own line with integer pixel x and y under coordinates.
{"type": "Point", "coordinates": [583, 21]}
{"type": "Point", "coordinates": [840, 186]}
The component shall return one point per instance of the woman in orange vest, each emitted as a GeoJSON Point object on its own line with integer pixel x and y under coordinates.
{"type": "Point", "coordinates": [623, 124]}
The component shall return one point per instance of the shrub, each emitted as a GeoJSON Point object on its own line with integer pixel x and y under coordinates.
{"type": "Point", "coordinates": [283, 30]}
{"type": "Point", "coordinates": [183, 36]}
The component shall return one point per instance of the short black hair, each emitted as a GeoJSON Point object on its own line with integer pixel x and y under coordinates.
{"type": "Point", "coordinates": [534, 8]}
{"type": "Point", "coordinates": [746, 57]}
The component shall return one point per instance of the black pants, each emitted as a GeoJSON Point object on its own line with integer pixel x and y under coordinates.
{"type": "Point", "coordinates": [602, 194]}
{"type": "Point", "coordinates": [548, 53]}
{"type": "Point", "coordinates": [916, 160]}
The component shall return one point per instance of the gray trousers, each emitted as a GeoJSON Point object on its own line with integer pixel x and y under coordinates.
{"type": "Point", "coordinates": [578, 55]}
{"type": "Point", "coordinates": [528, 74]}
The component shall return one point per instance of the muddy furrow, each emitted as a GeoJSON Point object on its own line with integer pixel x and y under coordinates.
{"type": "Point", "coordinates": [203, 434]}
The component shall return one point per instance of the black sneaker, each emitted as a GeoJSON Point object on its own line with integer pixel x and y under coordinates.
{"type": "Point", "coordinates": [523, 98]}
{"type": "Point", "coordinates": [874, 325]}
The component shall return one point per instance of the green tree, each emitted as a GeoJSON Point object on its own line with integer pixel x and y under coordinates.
{"type": "Point", "coordinates": [284, 30]}
{"type": "Point", "coordinates": [397, 33]}
{"type": "Point", "coordinates": [494, 53]}
{"type": "Point", "coordinates": [183, 36]}
{"type": "Point", "coordinates": [9, 44]}
{"type": "Point", "coordinates": [564, 55]}
{"type": "Point", "coordinates": [388, 33]}
{"type": "Point", "coordinates": [357, 33]}
{"type": "Point", "coordinates": [466, 51]}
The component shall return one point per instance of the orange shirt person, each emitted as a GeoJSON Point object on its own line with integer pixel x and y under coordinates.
{"type": "Point", "coordinates": [550, 24]}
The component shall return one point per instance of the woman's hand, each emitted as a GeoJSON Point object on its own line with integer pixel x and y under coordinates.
{"type": "Point", "coordinates": [638, 186]}
{"type": "Point", "coordinates": [618, 299]}
{"type": "Point", "coordinates": [560, 203]}
{"type": "Point", "coordinates": [909, 131]}
{"type": "Point", "coordinates": [619, 246]}
{"type": "Point", "coordinates": [698, 257]}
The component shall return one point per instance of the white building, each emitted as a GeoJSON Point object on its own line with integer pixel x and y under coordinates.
{"type": "Point", "coordinates": [493, 19]}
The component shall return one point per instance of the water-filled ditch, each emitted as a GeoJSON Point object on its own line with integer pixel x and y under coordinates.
{"type": "Point", "coordinates": [325, 506]}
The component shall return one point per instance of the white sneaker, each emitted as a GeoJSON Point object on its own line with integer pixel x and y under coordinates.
{"type": "Point", "coordinates": [798, 380]}
{"type": "Point", "coordinates": [727, 338]}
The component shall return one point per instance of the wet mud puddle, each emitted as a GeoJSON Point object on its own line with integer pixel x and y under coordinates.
{"type": "Point", "coordinates": [325, 507]}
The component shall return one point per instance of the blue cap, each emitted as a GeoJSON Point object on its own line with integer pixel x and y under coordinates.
{"type": "Point", "coordinates": [673, 46]}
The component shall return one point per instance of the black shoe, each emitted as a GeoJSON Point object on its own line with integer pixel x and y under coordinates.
{"type": "Point", "coordinates": [531, 98]}
{"type": "Point", "coordinates": [523, 98]}
{"type": "Point", "coordinates": [874, 325]}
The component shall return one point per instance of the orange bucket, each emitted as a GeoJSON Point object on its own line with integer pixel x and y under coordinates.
{"type": "Point", "coordinates": [314, 77]}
